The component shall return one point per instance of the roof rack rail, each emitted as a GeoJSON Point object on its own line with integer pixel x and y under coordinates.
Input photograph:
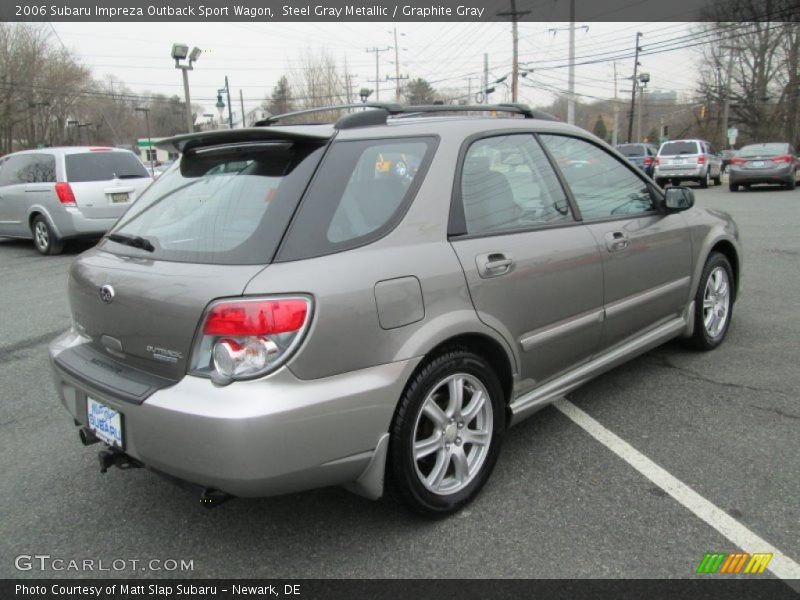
{"type": "Point", "coordinates": [390, 107]}
{"type": "Point", "coordinates": [382, 110]}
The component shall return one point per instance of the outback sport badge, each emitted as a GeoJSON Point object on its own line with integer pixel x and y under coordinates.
{"type": "Point", "coordinates": [107, 294]}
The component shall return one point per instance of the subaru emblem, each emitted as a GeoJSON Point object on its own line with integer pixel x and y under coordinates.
{"type": "Point", "coordinates": [107, 294]}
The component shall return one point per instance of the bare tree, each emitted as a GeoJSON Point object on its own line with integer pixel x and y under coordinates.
{"type": "Point", "coordinates": [318, 81]}
{"type": "Point", "coordinates": [40, 85]}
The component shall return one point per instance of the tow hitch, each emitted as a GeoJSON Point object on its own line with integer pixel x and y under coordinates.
{"type": "Point", "coordinates": [115, 458]}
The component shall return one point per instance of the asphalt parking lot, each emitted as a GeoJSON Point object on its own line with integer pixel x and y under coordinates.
{"type": "Point", "coordinates": [560, 504]}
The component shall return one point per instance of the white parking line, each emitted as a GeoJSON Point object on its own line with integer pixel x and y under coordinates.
{"type": "Point", "coordinates": [781, 565]}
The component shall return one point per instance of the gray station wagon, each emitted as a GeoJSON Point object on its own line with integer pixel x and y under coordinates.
{"type": "Point", "coordinates": [56, 194]}
{"type": "Point", "coordinates": [282, 311]}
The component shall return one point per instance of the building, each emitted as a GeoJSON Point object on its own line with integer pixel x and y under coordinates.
{"type": "Point", "coordinates": [148, 152]}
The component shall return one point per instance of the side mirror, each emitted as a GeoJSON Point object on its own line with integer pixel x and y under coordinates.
{"type": "Point", "coordinates": [678, 198]}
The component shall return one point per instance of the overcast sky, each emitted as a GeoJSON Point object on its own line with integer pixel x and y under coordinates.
{"type": "Point", "coordinates": [254, 55]}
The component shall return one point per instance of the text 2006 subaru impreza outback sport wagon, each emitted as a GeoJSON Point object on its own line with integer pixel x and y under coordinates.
{"type": "Point", "coordinates": [289, 307]}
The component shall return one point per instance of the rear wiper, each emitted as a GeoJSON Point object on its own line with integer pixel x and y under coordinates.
{"type": "Point", "coordinates": [135, 241]}
{"type": "Point", "coordinates": [132, 176]}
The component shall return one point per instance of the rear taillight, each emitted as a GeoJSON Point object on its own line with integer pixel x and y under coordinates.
{"type": "Point", "coordinates": [65, 195]}
{"type": "Point", "coordinates": [737, 161]}
{"type": "Point", "coordinates": [701, 160]}
{"type": "Point", "coordinates": [658, 160]}
{"type": "Point", "coordinates": [786, 158]}
{"type": "Point", "coordinates": [245, 339]}
{"type": "Point", "coordinates": [647, 161]}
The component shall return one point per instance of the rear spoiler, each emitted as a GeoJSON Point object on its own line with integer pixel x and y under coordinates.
{"type": "Point", "coordinates": [187, 141]}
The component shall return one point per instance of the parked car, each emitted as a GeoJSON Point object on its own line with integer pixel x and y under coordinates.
{"type": "Point", "coordinates": [308, 320]}
{"type": "Point", "coordinates": [688, 160]}
{"type": "Point", "coordinates": [641, 155]}
{"type": "Point", "coordinates": [764, 163]}
{"type": "Point", "coordinates": [57, 194]}
{"type": "Point", "coordinates": [160, 168]}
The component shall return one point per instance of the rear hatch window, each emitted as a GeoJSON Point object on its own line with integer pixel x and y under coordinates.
{"type": "Point", "coordinates": [629, 150]}
{"type": "Point", "coordinates": [764, 150]}
{"type": "Point", "coordinates": [225, 204]}
{"type": "Point", "coordinates": [103, 166]}
{"type": "Point", "coordinates": [678, 148]}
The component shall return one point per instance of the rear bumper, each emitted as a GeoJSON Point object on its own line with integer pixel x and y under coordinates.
{"type": "Point", "coordinates": [783, 174]}
{"type": "Point", "coordinates": [256, 438]}
{"type": "Point", "coordinates": [694, 172]}
{"type": "Point", "coordinates": [72, 223]}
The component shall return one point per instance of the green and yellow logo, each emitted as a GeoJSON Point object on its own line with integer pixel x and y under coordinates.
{"type": "Point", "coordinates": [734, 562]}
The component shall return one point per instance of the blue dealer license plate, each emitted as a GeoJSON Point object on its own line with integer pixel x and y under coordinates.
{"type": "Point", "coordinates": [105, 422]}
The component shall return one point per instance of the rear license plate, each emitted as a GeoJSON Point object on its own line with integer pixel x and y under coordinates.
{"type": "Point", "coordinates": [105, 422]}
{"type": "Point", "coordinates": [120, 197]}
{"type": "Point", "coordinates": [757, 163]}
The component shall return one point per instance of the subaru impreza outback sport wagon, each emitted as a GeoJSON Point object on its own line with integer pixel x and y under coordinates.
{"type": "Point", "coordinates": [279, 312]}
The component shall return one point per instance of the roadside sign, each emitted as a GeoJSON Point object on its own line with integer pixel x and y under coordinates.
{"type": "Point", "coordinates": [732, 133]}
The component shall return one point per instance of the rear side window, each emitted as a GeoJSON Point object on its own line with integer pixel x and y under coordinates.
{"type": "Point", "coordinates": [103, 166]}
{"type": "Point", "coordinates": [507, 183]}
{"type": "Point", "coordinates": [676, 148]}
{"type": "Point", "coordinates": [28, 168]}
{"type": "Point", "coordinates": [224, 205]}
{"type": "Point", "coordinates": [362, 190]}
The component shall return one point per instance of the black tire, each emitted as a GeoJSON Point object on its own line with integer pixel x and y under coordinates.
{"type": "Point", "coordinates": [718, 179]}
{"type": "Point", "coordinates": [792, 183]}
{"type": "Point", "coordinates": [701, 338]}
{"type": "Point", "coordinates": [44, 238]}
{"type": "Point", "coordinates": [705, 180]}
{"type": "Point", "coordinates": [404, 479]}
{"type": "Point", "coordinates": [676, 182]}
{"type": "Point", "coordinates": [733, 187]}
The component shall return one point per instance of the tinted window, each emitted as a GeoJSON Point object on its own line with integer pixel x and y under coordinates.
{"type": "Point", "coordinates": [507, 183]}
{"type": "Point", "coordinates": [103, 166]}
{"type": "Point", "coordinates": [602, 186]}
{"type": "Point", "coordinates": [675, 148]}
{"type": "Point", "coordinates": [631, 150]}
{"type": "Point", "coordinates": [764, 150]}
{"type": "Point", "coordinates": [28, 168]}
{"type": "Point", "coordinates": [229, 206]}
{"type": "Point", "coordinates": [362, 190]}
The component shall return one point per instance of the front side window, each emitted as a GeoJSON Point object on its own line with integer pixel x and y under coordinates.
{"type": "Point", "coordinates": [361, 191]}
{"type": "Point", "coordinates": [507, 183]}
{"type": "Point", "coordinates": [603, 187]}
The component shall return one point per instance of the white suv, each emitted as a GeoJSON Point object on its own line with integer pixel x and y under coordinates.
{"type": "Point", "coordinates": [687, 160]}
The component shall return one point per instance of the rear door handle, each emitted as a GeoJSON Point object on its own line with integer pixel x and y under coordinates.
{"type": "Point", "coordinates": [616, 241]}
{"type": "Point", "coordinates": [493, 264]}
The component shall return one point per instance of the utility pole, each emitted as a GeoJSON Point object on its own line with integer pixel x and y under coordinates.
{"type": "Point", "coordinates": [515, 15]}
{"type": "Point", "coordinates": [727, 104]}
{"type": "Point", "coordinates": [571, 72]}
{"type": "Point", "coordinates": [377, 52]}
{"type": "Point", "coordinates": [486, 78]}
{"type": "Point", "coordinates": [639, 113]}
{"type": "Point", "coordinates": [614, 139]}
{"type": "Point", "coordinates": [230, 112]}
{"type": "Point", "coordinates": [469, 89]}
{"type": "Point", "coordinates": [350, 95]}
{"type": "Point", "coordinates": [241, 101]}
{"type": "Point", "coordinates": [635, 83]}
{"type": "Point", "coordinates": [397, 77]}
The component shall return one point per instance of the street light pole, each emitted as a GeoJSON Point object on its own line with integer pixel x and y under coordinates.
{"type": "Point", "coordinates": [146, 112]}
{"type": "Point", "coordinates": [179, 53]}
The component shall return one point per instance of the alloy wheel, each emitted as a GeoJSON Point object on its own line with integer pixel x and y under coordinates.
{"type": "Point", "coordinates": [452, 434]}
{"type": "Point", "coordinates": [716, 302]}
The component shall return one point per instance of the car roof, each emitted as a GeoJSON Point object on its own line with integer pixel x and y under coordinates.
{"type": "Point", "coordinates": [63, 150]}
